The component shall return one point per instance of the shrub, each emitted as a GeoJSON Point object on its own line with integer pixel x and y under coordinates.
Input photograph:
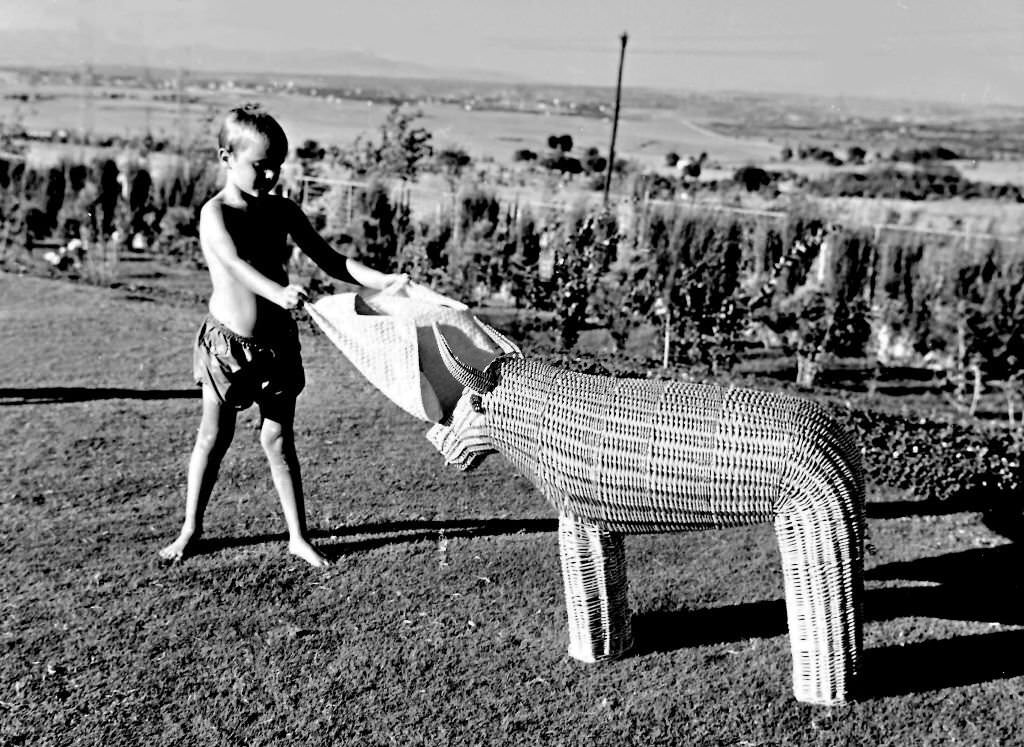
{"type": "Point", "coordinates": [452, 160]}
{"type": "Point", "coordinates": [688, 283]}
{"type": "Point", "coordinates": [938, 460]}
{"type": "Point", "coordinates": [753, 178]}
{"type": "Point", "coordinates": [380, 227]}
{"type": "Point", "coordinates": [580, 263]}
{"type": "Point", "coordinates": [402, 148]}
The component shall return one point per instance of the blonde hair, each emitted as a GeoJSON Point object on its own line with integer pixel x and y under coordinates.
{"type": "Point", "coordinates": [244, 123]}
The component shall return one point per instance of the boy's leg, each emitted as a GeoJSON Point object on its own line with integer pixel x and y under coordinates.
{"type": "Point", "coordinates": [216, 429]}
{"type": "Point", "coordinates": [277, 436]}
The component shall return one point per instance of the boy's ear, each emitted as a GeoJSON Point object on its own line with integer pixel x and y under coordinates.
{"type": "Point", "coordinates": [222, 155]}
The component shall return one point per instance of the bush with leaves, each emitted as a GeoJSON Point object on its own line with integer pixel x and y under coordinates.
{"type": "Point", "coordinates": [689, 283]}
{"type": "Point", "coordinates": [582, 259]}
{"type": "Point", "coordinates": [425, 256]}
{"type": "Point", "coordinates": [452, 161]}
{"type": "Point", "coordinates": [928, 182]}
{"type": "Point", "coordinates": [938, 459]}
{"type": "Point", "coordinates": [988, 298]}
{"type": "Point", "coordinates": [380, 226]}
{"type": "Point", "coordinates": [401, 150]}
{"type": "Point", "coordinates": [823, 312]}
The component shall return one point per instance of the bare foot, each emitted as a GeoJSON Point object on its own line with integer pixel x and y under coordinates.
{"type": "Point", "coordinates": [179, 549]}
{"type": "Point", "coordinates": [302, 549]}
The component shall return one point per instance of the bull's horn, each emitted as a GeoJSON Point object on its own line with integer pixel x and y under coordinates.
{"type": "Point", "coordinates": [507, 346]}
{"type": "Point", "coordinates": [469, 377]}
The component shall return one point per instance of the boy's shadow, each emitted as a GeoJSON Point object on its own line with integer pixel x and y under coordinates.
{"type": "Point", "coordinates": [392, 533]}
{"type": "Point", "coordinates": [49, 395]}
{"type": "Point", "coordinates": [979, 585]}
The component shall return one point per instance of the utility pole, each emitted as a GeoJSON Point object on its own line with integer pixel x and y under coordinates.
{"type": "Point", "coordinates": [87, 77]}
{"type": "Point", "coordinates": [615, 118]}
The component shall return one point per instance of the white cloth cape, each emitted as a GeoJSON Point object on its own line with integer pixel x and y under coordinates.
{"type": "Point", "coordinates": [387, 336]}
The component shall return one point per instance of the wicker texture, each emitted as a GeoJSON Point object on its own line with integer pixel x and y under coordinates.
{"type": "Point", "coordinates": [594, 574]}
{"type": "Point", "coordinates": [624, 456]}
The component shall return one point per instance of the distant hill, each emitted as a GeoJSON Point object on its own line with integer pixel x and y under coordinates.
{"type": "Point", "coordinates": [66, 48]}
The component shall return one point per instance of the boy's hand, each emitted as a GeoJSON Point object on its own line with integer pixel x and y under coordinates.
{"type": "Point", "coordinates": [395, 283]}
{"type": "Point", "coordinates": [292, 297]}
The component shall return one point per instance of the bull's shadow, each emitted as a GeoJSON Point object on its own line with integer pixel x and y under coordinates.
{"type": "Point", "coordinates": [991, 504]}
{"type": "Point", "coordinates": [979, 585]}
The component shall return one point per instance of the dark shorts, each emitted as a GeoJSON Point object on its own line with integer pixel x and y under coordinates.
{"type": "Point", "coordinates": [242, 370]}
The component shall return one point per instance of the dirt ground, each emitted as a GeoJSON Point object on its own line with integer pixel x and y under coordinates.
{"type": "Point", "coordinates": [442, 620]}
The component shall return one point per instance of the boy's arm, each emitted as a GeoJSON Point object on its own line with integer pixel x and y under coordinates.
{"type": "Point", "coordinates": [333, 263]}
{"type": "Point", "coordinates": [216, 239]}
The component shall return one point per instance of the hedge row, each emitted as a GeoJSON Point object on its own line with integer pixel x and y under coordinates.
{"type": "Point", "coordinates": [938, 460]}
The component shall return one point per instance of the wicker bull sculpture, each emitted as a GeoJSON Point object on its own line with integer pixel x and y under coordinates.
{"type": "Point", "coordinates": [629, 456]}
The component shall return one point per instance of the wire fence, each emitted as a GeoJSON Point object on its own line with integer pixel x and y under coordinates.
{"type": "Point", "coordinates": [426, 201]}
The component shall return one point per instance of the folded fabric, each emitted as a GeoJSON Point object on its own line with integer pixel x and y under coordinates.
{"type": "Point", "coordinates": [387, 336]}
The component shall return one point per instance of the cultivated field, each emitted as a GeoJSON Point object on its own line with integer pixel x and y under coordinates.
{"type": "Point", "coordinates": [645, 135]}
{"type": "Point", "coordinates": [442, 620]}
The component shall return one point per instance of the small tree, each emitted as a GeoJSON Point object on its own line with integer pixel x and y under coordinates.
{"type": "Point", "coordinates": [753, 178]}
{"type": "Point", "coordinates": [594, 162]}
{"type": "Point", "coordinates": [56, 186]}
{"type": "Point", "coordinates": [310, 150]}
{"type": "Point", "coordinates": [139, 201]}
{"type": "Point", "coordinates": [855, 154]}
{"type": "Point", "coordinates": [452, 161]}
{"type": "Point", "coordinates": [580, 263]}
{"type": "Point", "coordinates": [400, 153]}
{"type": "Point", "coordinates": [990, 324]}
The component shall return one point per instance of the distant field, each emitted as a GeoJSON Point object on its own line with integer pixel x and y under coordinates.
{"type": "Point", "coordinates": [645, 135]}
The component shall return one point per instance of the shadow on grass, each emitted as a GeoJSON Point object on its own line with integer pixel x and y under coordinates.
{"type": "Point", "coordinates": [979, 585]}
{"type": "Point", "coordinates": [937, 665]}
{"type": "Point", "coordinates": [908, 509]}
{"type": "Point", "coordinates": [56, 394]}
{"type": "Point", "coordinates": [667, 630]}
{"type": "Point", "coordinates": [394, 532]}
{"type": "Point", "coordinates": [968, 501]}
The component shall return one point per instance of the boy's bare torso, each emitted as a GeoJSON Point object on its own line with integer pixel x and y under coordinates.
{"type": "Point", "coordinates": [259, 234]}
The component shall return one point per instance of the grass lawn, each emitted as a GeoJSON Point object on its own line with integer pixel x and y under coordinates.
{"type": "Point", "coordinates": [442, 621]}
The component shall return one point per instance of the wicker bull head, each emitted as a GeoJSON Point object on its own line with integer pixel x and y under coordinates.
{"type": "Point", "coordinates": [628, 456]}
{"type": "Point", "coordinates": [465, 439]}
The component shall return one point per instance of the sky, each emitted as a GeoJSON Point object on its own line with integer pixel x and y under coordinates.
{"type": "Point", "coordinates": [962, 51]}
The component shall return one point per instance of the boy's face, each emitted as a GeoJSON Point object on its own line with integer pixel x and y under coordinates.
{"type": "Point", "coordinates": [252, 167]}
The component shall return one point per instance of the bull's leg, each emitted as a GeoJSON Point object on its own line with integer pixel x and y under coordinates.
{"type": "Point", "coordinates": [822, 567]}
{"type": "Point", "coordinates": [594, 572]}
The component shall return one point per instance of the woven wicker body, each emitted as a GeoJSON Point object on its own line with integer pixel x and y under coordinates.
{"type": "Point", "coordinates": [626, 456]}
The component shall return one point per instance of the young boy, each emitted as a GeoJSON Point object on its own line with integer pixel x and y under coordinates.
{"type": "Point", "coordinates": [247, 349]}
